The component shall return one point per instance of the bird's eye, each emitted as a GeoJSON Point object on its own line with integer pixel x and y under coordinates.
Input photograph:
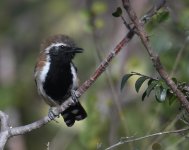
{"type": "Point", "coordinates": [62, 46]}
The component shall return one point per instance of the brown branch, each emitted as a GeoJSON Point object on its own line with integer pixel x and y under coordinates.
{"type": "Point", "coordinates": [154, 57]}
{"type": "Point", "coordinates": [104, 64]}
{"type": "Point", "coordinates": [132, 139]}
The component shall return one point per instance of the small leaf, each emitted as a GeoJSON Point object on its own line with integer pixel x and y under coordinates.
{"type": "Point", "coordinates": [144, 95]}
{"type": "Point", "coordinates": [161, 94]}
{"type": "Point", "coordinates": [139, 83]}
{"type": "Point", "coordinates": [151, 87]}
{"type": "Point", "coordinates": [124, 80]}
{"type": "Point", "coordinates": [118, 12]}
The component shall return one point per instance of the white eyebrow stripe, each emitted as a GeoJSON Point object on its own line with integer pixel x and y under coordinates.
{"type": "Point", "coordinates": [54, 45]}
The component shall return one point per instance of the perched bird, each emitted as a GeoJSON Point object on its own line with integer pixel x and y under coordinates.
{"type": "Point", "coordinates": [56, 75]}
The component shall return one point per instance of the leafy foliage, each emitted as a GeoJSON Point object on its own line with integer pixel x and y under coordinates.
{"type": "Point", "coordinates": [161, 90]}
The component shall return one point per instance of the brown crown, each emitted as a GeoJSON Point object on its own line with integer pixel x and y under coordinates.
{"type": "Point", "coordinates": [57, 39]}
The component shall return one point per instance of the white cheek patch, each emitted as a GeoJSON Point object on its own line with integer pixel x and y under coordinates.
{"type": "Point", "coordinates": [55, 45]}
{"type": "Point", "coordinates": [75, 80]}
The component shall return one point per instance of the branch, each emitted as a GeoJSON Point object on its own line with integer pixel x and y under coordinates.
{"type": "Point", "coordinates": [101, 68]}
{"type": "Point", "coordinates": [4, 121]}
{"type": "Point", "coordinates": [4, 134]}
{"type": "Point", "coordinates": [154, 57]}
{"type": "Point", "coordinates": [132, 139]}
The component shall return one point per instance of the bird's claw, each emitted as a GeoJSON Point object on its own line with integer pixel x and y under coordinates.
{"type": "Point", "coordinates": [52, 114]}
{"type": "Point", "coordinates": [74, 96]}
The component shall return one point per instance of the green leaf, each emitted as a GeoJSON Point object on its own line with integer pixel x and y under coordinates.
{"type": "Point", "coordinates": [161, 94]}
{"type": "Point", "coordinates": [124, 80]}
{"type": "Point", "coordinates": [139, 83]}
{"type": "Point", "coordinates": [151, 87]}
{"type": "Point", "coordinates": [144, 95]}
{"type": "Point", "coordinates": [118, 12]}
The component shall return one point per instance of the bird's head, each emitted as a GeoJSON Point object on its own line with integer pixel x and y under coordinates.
{"type": "Point", "coordinates": [60, 48]}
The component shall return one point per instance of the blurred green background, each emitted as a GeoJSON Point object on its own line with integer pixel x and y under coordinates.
{"type": "Point", "coordinates": [112, 114]}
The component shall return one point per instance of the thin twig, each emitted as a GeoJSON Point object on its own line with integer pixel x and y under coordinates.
{"type": "Point", "coordinates": [101, 68]}
{"type": "Point", "coordinates": [127, 25]}
{"type": "Point", "coordinates": [131, 139]}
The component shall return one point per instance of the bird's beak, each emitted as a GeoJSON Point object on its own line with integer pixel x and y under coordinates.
{"type": "Point", "coordinates": [73, 50]}
{"type": "Point", "coordinates": [77, 50]}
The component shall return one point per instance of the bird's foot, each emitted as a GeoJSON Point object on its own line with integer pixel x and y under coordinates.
{"type": "Point", "coordinates": [53, 113]}
{"type": "Point", "coordinates": [74, 96]}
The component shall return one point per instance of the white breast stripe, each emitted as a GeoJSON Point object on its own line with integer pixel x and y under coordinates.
{"type": "Point", "coordinates": [75, 80]}
{"type": "Point", "coordinates": [40, 81]}
{"type": "Point", "coordinates": [44, 71]}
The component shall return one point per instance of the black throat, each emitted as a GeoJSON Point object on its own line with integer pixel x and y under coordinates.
{"type": "Point", "coordinates": [59, 81]}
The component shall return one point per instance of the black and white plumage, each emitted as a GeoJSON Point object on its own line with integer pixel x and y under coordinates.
{"type": "Point", "coordinates": [56, 75]}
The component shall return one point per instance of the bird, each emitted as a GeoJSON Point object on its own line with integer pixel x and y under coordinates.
{"type": "Point", "coordinates": [56, 75]}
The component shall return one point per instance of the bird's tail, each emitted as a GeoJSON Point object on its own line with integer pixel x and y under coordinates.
{"type": "Point", "coordinates": [73, 113]}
